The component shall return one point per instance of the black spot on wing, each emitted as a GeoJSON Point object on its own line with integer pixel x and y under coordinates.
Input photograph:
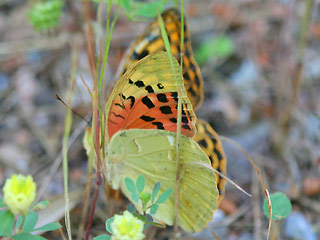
{"type": "Point", "coordinates": [147, 118]}
{"type": "Point", "coordinates": [218, 154]}
{"type": "Point", "coordinates": [186, 76]}
{"type": "Point", "coordinates": [193, 67]}
{"type": "Point", "coordinates": [130, 81]}
{"type": "Point", "coordinates": [186, 127]}
{"type": "Point", "coordinates": [193, 93]}
{"type": "Point", "coordinates": [203, 143]}
{"type": "Point", "coordinates": [120, 105]}
{"type": "Point", "coordinates": [184, 120]}
{"type": "Point", "coordinates": [146, 101]}
{"type": "Point", "coordinates": [132, 99]}
{"type": "Point", "coordinates": [158, 124]}
{"type": "Point", "coordinates": [149, 89]}
{"type": "Point", "coordinates": [197, 80]}
{"type": "Point", "coordinates": [174, 120]}
{"type": "Point", "coordinates": [165, 110]}
{"type": "Point", "coordinates": [214, 140]}
{"type": "Point", "coordinates": [162, 98]}
{"type": "Point", "coordinates": [137, 56]}
{"type": "Point", "coordinates": [160, 86]}
{"type": "Point", "coordinates": [118, 115]}
{"type": "Point", "coordinates": [174, 95]}
{"type": "Point", "coordinates": [139, 84]}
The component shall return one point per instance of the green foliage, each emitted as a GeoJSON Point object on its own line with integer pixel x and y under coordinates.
{"type": "Point", "coordinates": [24, 225]}
{"type": "Point", "coordinates": [219, 47]}
{"type": "Point", "coordinates": [132, 189]}
{"type": "Point", "coordinates": [149, 10]}
{"type": "Point", "coordinates": [155, 190]}
{"type": "Point", "coordinates": [164, 196]}
{"type": "Point", "coordinates": [154, 209]}
{"type": "Point", "coordinates": [30, 222]}
{"type": "Point", "coordinates": [45, 15]}
{"type": "Point", "coordinates": [108, 225]}
{"type": "Point", "coordinates": [135, 9]}
{"type": "Point", "coordinates": [6, 226]}
{"type": "Point", "coordinates": [27, 236]}
{"type": "Point", "coordinates": [281, 206]}
{"type": "Point", "coordinates": [147, 201]}
{"type": "Point", "coordinates": [2, 204]}
{"type": "Point", "coordinates": [102, 237]}
{"type": "Point", "coordinates": [137, 193]}
{"type": "Point", "coordinates": [140, 183]}
{"type": "Point", "coordinates": [40, 205]}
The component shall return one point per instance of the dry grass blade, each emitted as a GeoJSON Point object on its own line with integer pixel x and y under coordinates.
{"type": "Point", "coordinates": [266, 192]}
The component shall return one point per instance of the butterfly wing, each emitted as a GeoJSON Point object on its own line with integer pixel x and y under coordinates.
{"type": "Point", "coordinates": [210, 143]}
{"type": "Point", "coordinates": [151, 153]}
{"type": "Point", "coordinates": [146, 97]}
{"type": "Point", "coordinates": [150, 41]}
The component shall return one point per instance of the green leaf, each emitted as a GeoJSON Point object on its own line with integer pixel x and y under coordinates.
{"type": "Point", "coordinates": [126, 5]}
{"type": "Point", "coordinates": [164, 196]}
{"type": "Point", "coordinates": [132, 188]}
{"type": "Point", "coordinates": [30, 222]}
{"type": "Point", "coordinates": [40, 205]}
{"type": "Point", "coordinates": [155, 190]}
{"type": "Point", "coordinates": [2, 204]}
{"type": "Point", "coordinates": [108, 225]}
{"type": "Point", "coordinates": [49, 227]}
{"type": "Point", "coordinates": [218, 47]}
{"type": "Point", "coordinates": [149, 10]}
{"type": "Point", "coordinates": [130, 185]}
{"type": "Point", "coordinates": [27, 236]}
{"type": "Point", "coordinates": [132, 208]}
{"type": "Point", "coordinates": [281, 206]}
{"type": "Point", "coordinates": [145, 198]}
{"type": "Point", "coordinates": [140, 183]}
{"type": "Point", "coordinates": [154, 209]}
{"type": "Point", "coordinates": [19, 222]}
{"type": "Point", "coordinates": [159, 225]}
{"type": "Point", "coordinates": [103, 237]}
{"type": "Point", "coordinates": [6, 226]}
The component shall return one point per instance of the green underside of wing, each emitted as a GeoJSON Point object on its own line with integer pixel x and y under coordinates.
{"type": "Point", "coordinates": [151, 153]}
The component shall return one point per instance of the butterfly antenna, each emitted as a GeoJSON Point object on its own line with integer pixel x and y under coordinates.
{"type": "Point", "coordinates": [82, 117]}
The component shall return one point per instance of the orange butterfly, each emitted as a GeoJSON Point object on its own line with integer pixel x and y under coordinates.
{"type": "Point", "coordinates": [150, 41]}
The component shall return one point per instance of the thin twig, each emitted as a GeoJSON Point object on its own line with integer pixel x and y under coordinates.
{"type": "Point", "coordinates": [68, 124]}
{"type": "Point", "coordinates": [305, 22]}
{"type": "Point", "coordinates": [266, 192]}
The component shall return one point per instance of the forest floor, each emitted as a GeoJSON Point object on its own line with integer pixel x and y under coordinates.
{"type": "Point", "coordinates": [264, 93]}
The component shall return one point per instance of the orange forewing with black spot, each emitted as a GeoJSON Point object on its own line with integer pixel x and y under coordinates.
{"type": "Point", "coordinates": [150, 41]}
{"type": "Point", "coordinates": [210, 143]}
{"type": "Point", "coordinates": [146, 97]}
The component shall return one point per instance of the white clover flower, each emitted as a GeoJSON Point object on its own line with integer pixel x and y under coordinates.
{"type": "Point", "coordinates": [127, 227]}
{"type": "Point", "coordinates": [19, 193]}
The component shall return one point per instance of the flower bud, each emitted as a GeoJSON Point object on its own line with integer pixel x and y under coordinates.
{"type": "Point", "coordinates": [19, 193]}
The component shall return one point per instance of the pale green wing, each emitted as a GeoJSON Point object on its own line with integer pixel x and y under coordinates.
{"type": "Point", "coordinates": [151, 153]}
